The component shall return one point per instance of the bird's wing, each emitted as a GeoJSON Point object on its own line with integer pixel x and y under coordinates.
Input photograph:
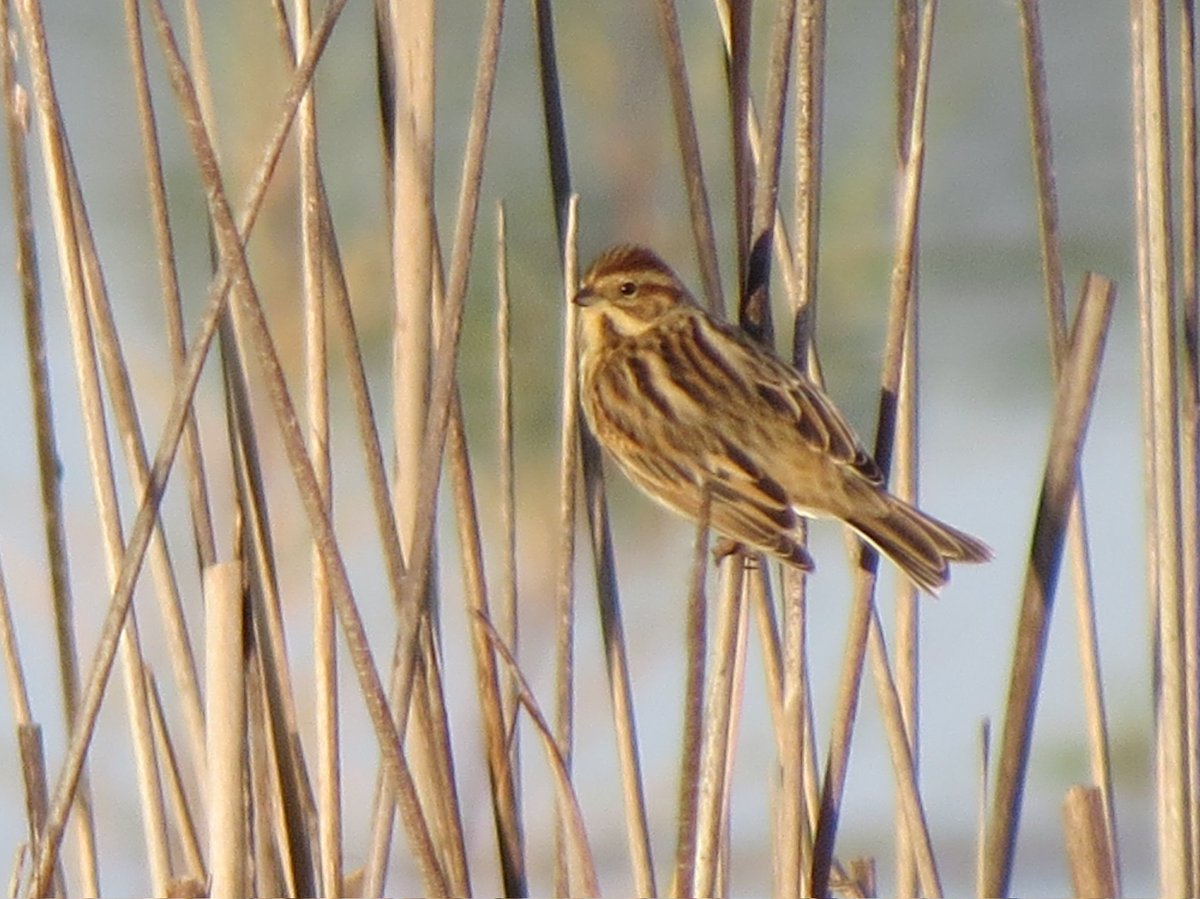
{"type": "Point", "coordinates": [811, 414]}
{"type": "Point", "coordinates": [744, 502]}
{"type": "Point", "coordinates": [660, 419]}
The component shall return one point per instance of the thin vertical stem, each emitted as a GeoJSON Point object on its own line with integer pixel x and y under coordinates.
{"type": "Point", "coordinates": [899, 311]}
{"type": "Point", "coordinates": [1073, 400]}
{"type": "Point", "coordinates": [904, 472]}
{"type": "Point", "coordinates": [143, 526]}
{"type": "Point", "coordinates": [1170, 710]}
{"type": "Point", "coordinates": [1077, 544]}
{"type": "Point", "coordinates": [226, 692]}
{"type": "Point", "coordinates": [695, 642]}
{"type": "Point", "coordinates": [316, 368]}
{"type": "Point", "coordinates": [1189, 423]}
{"type": "Point", "coordinates": [689, 148]}
{"type": "Point", "coordinates": [552, 117]}
{"type": "Point", "coordinates": [564, 592]}
{"type": "Point", "coordinates": [737, 82]}
{"type": "Point", "coordinates": [411, 32]}
{"type": "Point", "coordinates": [512, 838]}
{"type": "Point", "coordinates": [718, 705]}
{"type": "Point", "coordinates": [49, 475]}
{"type": "Point", "coordinates": [766, 185]}
{"type": "Point", "coordinates": [168, 276]}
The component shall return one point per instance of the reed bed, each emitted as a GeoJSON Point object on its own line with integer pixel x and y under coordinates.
{"type": "Point", "coordinates": [352, 660]}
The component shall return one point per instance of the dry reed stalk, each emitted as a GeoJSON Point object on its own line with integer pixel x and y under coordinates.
{"type": "Point", "coordinates": [912, 812]}
{"type": "Point", "coordinates": [18, 689]}
{"type": "Point", "coordinates": [364, 414]}
{"type": "Point", "coordinates": [225, 693]}
{"type": "Point", "coordinates": [616, 656]}
{"type": "Point", "coordinates": [500, 769]}
{"type": "Point", "coordinates": [863, 612]}
{"type": "Point", "coordinates": [794, 833]}
{"type": "Point", "coordinates": [794, 827]}
{"type": "Point", "coordinates": [1146, 394]}
{"type": "Point", "coordinates": [443, 382]}
{"type": "Point", "coordinates": [428, 740]}
{"type": "Point", "coordinates": [1171, 742]}
{"type": "Point", "coordinates": [141, 531]}
{"type": "Point", "coordinates": [616, 652]}
{"type": "Point", "coordinates": [432, 724]}
{"type": "Point", "coordinates": [762, 209]}
{"type": "Point", "coordinates": [108, 347]}
{"type": "Point", "coordinates": [1073, 401]}
{"type": "Point", "coordinates": [805, 263]}
{"type": "Point", "coordinates": [202, 527]}
{"type": "Point", "coordinates": [754, 315]}
{"type": "Point", "coordinates": [1189, 430]}
{"type": "Point", "coordinates": [417, 582]}
{"type": "Point", "coordinates": [595, 500]}
{"type": "Point", "coordinates": [182, 657]}
{"type": "Point", "coordinates": [564, 585]}
{"type": "Point", "coordinates": [509, 620]}
{"type": "Point", "coordinates": [1077, 543]}
{"type": "Point", "coordinates": [596, 503]}
{"type": "Point", "coordinates": [33, 774]}
{"type": "Point", "coordinates": [29, 735]}
{"type": "Point", "coordinates": [49, 479]}
{"type": "Point", "coordinates": [270, 875]}
{"type": "Point", "coordinates": [555, 131]}
{"type": "Point", "coordinates": [406, 37]}
{"type": "Point", "coordinates": [371, 446]}
{"type": "Point", "coordinates": [580, 863]}
{"type": "Point", "coordinates": [35, 41]}
{"type": "Point", "coordinates": [487, 681]}
{"type": "Point", "coordinates": [81, 284]}
{"type": "Point", "coordinates": [150, 794]}
{"type": "Point", "coordinates": [409, 32]}
{"type": "Point", "coordinates": [985, 767]}
{"type": "Point", "coordinates": [781, 242]}
{"type": "Point", "coordinates": [316, 369]}
{"type": "Point", "coordinates": [612, 630]}
{"type": "Point", "coordinates": [695, 642]}
{"type": "Point", "coordinates": [185, 824]}
{"type": "Point", "coordinates": [711, 821]}
{"type": "Point", "coordinates": [248, 319]}
{"type": "Point", "coordinates": [753, 581]}
{"type": "Point", "coordinates": [771, 646]}
{"type": "Point", "coordinates": [1089, 851]}
{"type": "Point", "coordinates": [689, 147]}
{"type": "Point", "coordinates": [198, 65]}
{"type": "Point", "coordinates": [810, 114]}
{"type": "Point", "coordinates": [256, 548]}
{"type": "Point", "coordinates": [904, 467]}
{"type": "Point", "coordinates": [20, 855]}
{"type": "Point", "coordinates": [587, 451]}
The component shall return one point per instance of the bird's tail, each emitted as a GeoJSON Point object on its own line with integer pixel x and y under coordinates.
{"type": "Point", "coordinates": [921, 546]}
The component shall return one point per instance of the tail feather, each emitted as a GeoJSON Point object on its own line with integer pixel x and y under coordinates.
{"type": "Point", "coordinates": [920, 545]}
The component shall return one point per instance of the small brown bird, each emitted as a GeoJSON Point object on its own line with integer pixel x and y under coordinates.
{"type": "Point", "coordinates": [685, 403]}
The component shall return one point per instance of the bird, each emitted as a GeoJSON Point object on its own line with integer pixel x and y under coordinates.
{"type": "Point", "coordinates": [698, 415]}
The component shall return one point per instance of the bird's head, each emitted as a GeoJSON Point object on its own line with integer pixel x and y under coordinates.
{"type": "Point", "coordinates": [629, 288]}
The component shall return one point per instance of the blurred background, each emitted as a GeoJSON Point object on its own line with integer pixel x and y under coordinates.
{"type": "Point", "coordinates": [986, 389]}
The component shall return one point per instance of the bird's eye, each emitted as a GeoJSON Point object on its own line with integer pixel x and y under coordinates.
{"type": "Point", "coordinates": [628, 288]}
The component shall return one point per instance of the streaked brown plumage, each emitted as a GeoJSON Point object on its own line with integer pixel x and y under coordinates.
{"type": "Point", "coordinates": [682, 401]}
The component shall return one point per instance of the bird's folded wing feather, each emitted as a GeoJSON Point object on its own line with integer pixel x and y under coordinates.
{"type": "Point", "coordinates": [815, 419]}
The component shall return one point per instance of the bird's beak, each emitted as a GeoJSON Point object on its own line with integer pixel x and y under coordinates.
{"type": "Point", "coordinates": [585, 297]}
